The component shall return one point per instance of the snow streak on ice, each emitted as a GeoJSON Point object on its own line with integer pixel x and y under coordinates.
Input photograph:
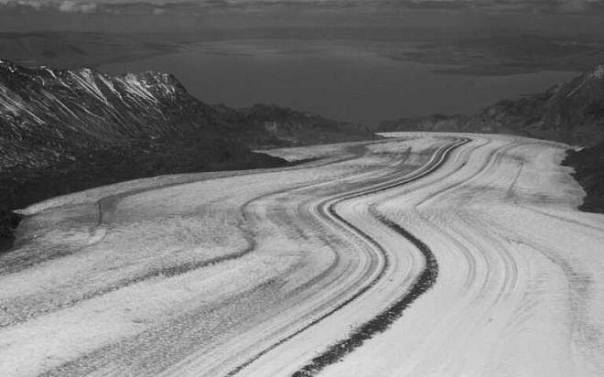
{"type": "Point", "coordinates": [315, 269]}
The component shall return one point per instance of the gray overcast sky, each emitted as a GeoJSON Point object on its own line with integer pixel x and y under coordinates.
{"type": "Point", "coordinates": [158, 7]}
{"type": "Point", "coordinates": [366, 61]}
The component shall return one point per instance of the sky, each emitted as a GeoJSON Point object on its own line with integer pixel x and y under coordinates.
{"type": "Point", "coordinates": [348, 59]}
{"type": "Point", "coordinates": [159, 7]}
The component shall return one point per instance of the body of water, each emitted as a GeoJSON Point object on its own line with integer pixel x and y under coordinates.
{"type": "Point", "coordinates": [339, 80]}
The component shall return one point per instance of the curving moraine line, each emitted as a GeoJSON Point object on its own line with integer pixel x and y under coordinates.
{"type": "Point", "coordinates": [327, 209]}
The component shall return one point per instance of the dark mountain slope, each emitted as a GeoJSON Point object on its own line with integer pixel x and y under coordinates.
{"type": "Point", "coordinates": [67, 130]}
{"type": "Point", "coordinates": [589, 172]}
{"type": "Point", "coordinates": [50, 113]}
{"type": "Point", "coordinates": [571, 112]}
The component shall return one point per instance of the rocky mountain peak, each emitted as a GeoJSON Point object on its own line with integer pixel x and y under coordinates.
{"type": "Point", "coordinates": [47, 108]}
{"type": "Point", "coordinates": [7, 66]}
{"type": "Point", "coordinates": [598, 73]}
{"type": "Point", "coordinates": [572, 112]}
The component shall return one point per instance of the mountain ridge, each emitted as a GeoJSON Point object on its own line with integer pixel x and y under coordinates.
{"type": "Point", "coordinates": [66, 130]}
{"type": "Point", "coordinates": [571, 112]}
{"type": "Point", "coordinates": [59, 111]}
{"type": "Point", "coordinates": [86, 106]}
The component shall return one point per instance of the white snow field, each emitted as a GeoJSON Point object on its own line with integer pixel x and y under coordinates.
{"type": "Point", "coordinates": [421, 255]}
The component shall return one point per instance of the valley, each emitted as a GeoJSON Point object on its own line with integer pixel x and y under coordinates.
{"type": "Point", "coordinates": [67, 130]}
{"type": "Point", "coordinates": [416, 250]}
{"type": "Point", "coordinates": [301, 189]}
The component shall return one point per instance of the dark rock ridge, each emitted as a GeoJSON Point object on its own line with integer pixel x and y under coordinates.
{"type": "Point", "coordinates": [572, 112]}
{"type": "Point", "coordinates": [589, 172]}
{"type": "Point", "coordinates": [49, 112]}
{"type": "Point", "coordinates": [67, 130]}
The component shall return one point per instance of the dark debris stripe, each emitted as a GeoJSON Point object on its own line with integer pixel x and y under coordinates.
{"type": "Point", "coordinates": [28, 260]}
{"type": "Point", "coordinates": [383, 320]}
{"type": "Point", "coordinates": [163, 272]}
{"type": "Point", "coordinates": [331, 211]}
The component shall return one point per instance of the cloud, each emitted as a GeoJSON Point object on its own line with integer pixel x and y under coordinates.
{"type": "Point", "coordinates": [70, 6]}
{"type": "Point", "coordinates": [35, 4]}
{"type": "Point", "coordinates": [67, 6]}
{"type": "Point", "coordinates": [578, 5]}
{"type": "Point", "coordinates": [158, 7]}
{"type": "Point", "coordinates": [544, 5]}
